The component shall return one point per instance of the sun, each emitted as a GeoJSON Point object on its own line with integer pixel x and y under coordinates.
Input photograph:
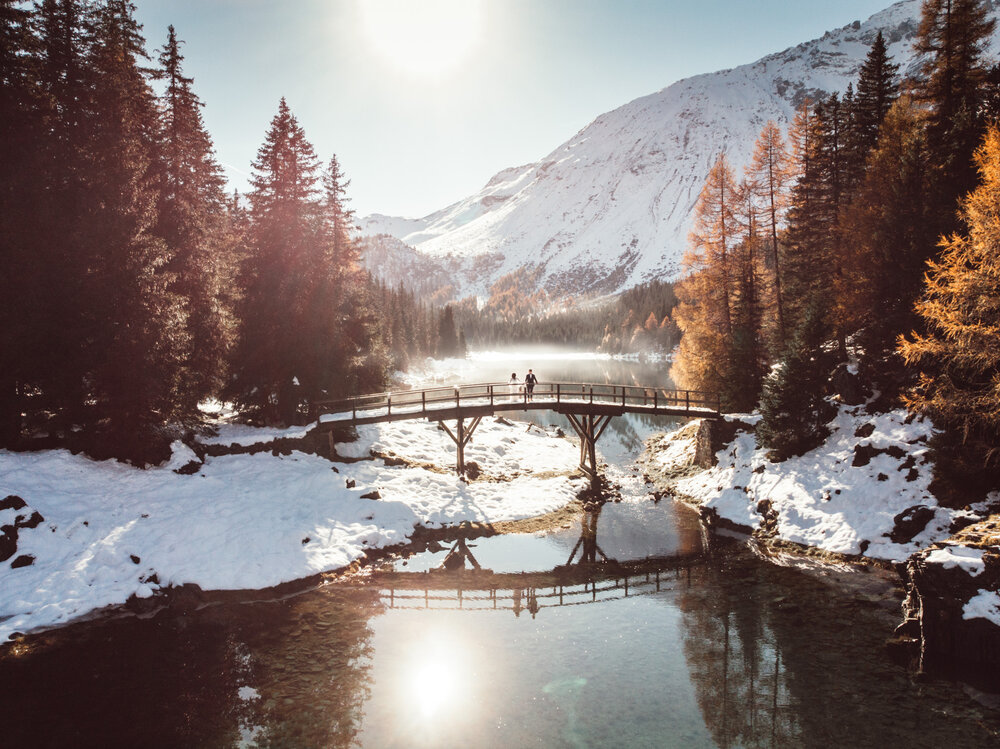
{"type": "Point", "coordinates": [423, 38]}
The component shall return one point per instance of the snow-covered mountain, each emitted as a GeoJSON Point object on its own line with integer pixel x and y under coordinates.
{"type": "Point", "coordinates": [612, 206]}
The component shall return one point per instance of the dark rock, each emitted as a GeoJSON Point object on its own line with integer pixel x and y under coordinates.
{"type": "Point", "coordinates": [8, 542]}
{"type": "Point", "coordinates": [134, 558]}
{"type": "Point", "coordinates": [847, 386]}
{"type": "Point", "coordinates": [865, 430]}
{"type": "Point", "coordinates": [712, 436]}
{"type": "Point", "coordinates": [189, 468]}
{"type": "Point", "coordinates": [372, 495]}
{"type": "Point", "coordinates": [934, 612]}
{"type": "Point", "coordinates": [350, 483]}
{"type": "Point", "coordinates": [34, 521]}
{"type": "Point", "coordinates": [910, 523]}
{"type": "Point", "coordinates": [863, 454]}
{"type": "Point", "coordinates": [12, 502]}
{"type": "Point", "coordinates": [882, 477]}
{"type": "Point", "coordinates": [25, 560]}
{"type": "Point", "coordinates": [306, 540]}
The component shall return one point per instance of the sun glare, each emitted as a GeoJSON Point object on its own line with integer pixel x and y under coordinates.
{"type": "Point", "coordinates": [425, 38]}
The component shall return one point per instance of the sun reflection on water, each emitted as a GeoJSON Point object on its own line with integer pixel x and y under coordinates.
{"type": "Point", "coordinates": [436, 681]}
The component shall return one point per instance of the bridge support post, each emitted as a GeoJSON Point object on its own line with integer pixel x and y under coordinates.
{"type": "Point", "coordinates": [461, 437]}
{"type": "Point", "coordinates": [589, 429]}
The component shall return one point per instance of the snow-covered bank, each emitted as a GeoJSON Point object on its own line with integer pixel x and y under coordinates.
{"type": "Point", "coordinates": [110, 531]}
{"type": "Point", "coordinates": [852, 495]}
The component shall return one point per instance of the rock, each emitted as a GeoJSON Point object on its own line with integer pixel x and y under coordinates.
{"type": "Point", "coordinates": [25, 560]}
{"type": "Point", "coordinates": [863, 454]}
{"type": "Point", "coordinates": [910, 523]}
{"type": "Point", "coordinates": [189, 468]}
{"type": "Point", "coordinates": [350, 483]}
{"type": "Point", "coordinates": [34, 521]}
{"type": "Point", "coordinates": [134, 558]}
{"type": "Point", "coordinates": [8, 542]}
{"type": "Point", "coordinates": [12, 502]}
{"type": "Point", "coordinates": [712, 436]}
{"type": "Point", "coordinates": [847, 385]}
{"type": "Point", "coordinates": [865, 430]}
{"type": "Point", "coordinates": [934, 612]}
{"type": "Point", "coordinates": [372, 495]}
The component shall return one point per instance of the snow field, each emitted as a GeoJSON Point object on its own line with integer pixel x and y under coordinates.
{"type": "Point", "coordinates": [821, 498]}
{"type": "Point", "coordinates": [111, 531]}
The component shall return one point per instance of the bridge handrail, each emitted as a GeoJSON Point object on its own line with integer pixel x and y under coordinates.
{"type": "Point", "coordinates": [499, 392]}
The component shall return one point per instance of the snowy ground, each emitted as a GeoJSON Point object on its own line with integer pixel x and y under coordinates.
{"type": "Point", "coordinates": [821, 498]}
{"type": "Point", "coordinates": [110, 531]}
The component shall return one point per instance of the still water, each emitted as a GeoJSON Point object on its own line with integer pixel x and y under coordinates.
{"type": "Point", "coordinates": [668, 639]}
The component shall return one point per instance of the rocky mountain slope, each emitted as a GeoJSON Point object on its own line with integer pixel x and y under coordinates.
{"type": "Point", "coordinates": [612, 206]}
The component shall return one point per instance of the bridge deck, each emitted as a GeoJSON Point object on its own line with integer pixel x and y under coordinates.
{"type": "Point", "coordinates": [470, 401]}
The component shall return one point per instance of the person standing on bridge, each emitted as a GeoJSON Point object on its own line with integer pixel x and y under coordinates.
{"type": "Point", "coordinates": [514, 385]}
{"type": "Point", "coordinates": [529, 384]}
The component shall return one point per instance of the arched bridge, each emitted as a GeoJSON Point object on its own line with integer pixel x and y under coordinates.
{"type": "Point", "coordinates": [588, 406]}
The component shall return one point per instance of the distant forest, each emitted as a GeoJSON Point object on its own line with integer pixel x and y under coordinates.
{"type": "Point", "coordinates": [870, 235]}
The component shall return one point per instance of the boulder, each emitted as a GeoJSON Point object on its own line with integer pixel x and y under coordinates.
{"type": "Point", "coordinates": [847, 385]}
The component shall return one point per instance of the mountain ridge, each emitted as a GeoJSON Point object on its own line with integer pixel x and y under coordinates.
{"type": "Point", "coordinates": [612, 206]}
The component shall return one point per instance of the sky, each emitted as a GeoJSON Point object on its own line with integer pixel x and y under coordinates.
{"type": "Point", "coordinates": [422, 101]}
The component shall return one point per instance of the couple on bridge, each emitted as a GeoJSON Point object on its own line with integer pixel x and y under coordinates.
{"type": "Point", "coordinates": [528, 387]}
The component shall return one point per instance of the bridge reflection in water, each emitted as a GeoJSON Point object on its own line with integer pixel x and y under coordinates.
{"type": "Point", "coordinates": [588, 576]}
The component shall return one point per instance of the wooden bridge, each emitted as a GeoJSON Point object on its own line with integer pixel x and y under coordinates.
{"type": "Point", "coordinates": [588, 406]}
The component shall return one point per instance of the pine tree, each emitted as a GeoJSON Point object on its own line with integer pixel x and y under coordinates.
{"type": "Point", "coordinates": [885, 233]}
{"type": "Point", "coordinates": [284, 265]}
{"type": "Point", "coordinates": [951, 40]}
{"type": "Point", "coordinates": [447, 337]}
{"type": "Point", "coordinates": [194, 222]}
{"type": "Point", "coordinates": [130, 314]}
{"type": "Point", "coordinates": [20, 193]}
{"type": "Point", "coordinates": [958, 356]}
{"type": "Point", "coordinates": [876, 92]}
{"type": "Point", "coordinates": [793, 411]}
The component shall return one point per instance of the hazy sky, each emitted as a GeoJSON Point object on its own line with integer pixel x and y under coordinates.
{"type": "Point", "coordinates": [424, 100]}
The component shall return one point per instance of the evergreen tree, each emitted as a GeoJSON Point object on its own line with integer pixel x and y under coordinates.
{"type": "Point", "coordinates": [951, 41]}
{"type": "Point", "coordinates": [129, 312]}
{"type": "Point", "coordinates": [20, 193]}
{"type": "Point", "coordinates": [958, 357]}
{"type": "Point", "coordinates": [284, 265]}
{"type": "Point", "coordinates": [447, 336]}
{"type": "Point", "coordinates": [194, 222]}
{"type": "Point", "coordinates": [793, 411]}
{"type": "Point", "coordinates": [885, 232]}
{"type": "Point", "coordinates": [876, 92]}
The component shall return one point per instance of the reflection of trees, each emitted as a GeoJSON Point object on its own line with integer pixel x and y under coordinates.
{"type": "Point", "coordinates": [734, 663]}
{"type": "Point", "coordinates": [312, 670]}
{"type": "Point", "coordinates": [174, 679]}
{"type": "Point", "coordinates": [779, 658]}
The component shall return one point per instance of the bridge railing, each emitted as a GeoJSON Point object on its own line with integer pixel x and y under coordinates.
{"type": "Point", "coordinates": [493, 393]}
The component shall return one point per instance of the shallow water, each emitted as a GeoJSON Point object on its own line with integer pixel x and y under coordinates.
{"type": "Point", "coordinates": [666, 638]}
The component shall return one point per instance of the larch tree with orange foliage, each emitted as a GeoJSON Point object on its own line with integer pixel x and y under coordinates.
{"type": "Point", "coordinates": [770, 176]}
{"type": "Point", "coordinates": [958, 356]}
{"type": "Point", "coordinates": [704, 310]}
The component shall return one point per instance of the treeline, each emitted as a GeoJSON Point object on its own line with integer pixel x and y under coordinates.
{"type": "Point", "coordinates": [822, 246]}
{"type": "Point", "coordinates": [133, 287]}
{"type": "Point", "coordinates": [639, 320]}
